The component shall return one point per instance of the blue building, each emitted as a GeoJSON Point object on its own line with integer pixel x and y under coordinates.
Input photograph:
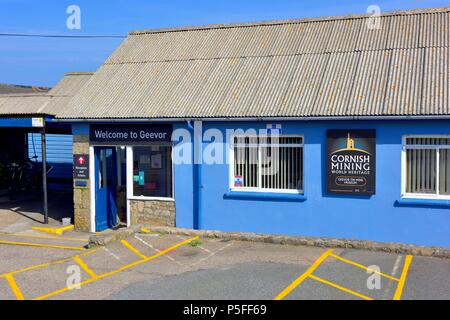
{"type": "Point", "coordinates": [329, 127]}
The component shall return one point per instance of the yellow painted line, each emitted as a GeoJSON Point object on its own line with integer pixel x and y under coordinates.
{"type": "Point", "coordinates": [130, 247]}
{"type": "Point", "coordinates": [353, 263]}
{"type": "Point", "coordinates": [85, 267]}
{"type": "Point", "coordinates": [401, 284]}
{"type": "Point", "coordinates": [334, 285]}
{"type": "Point", "coordinates": [47, 264]}
{"type": "Point", "coordinates": [300, 279]}
{"type": "Point", "coordinates": [145, 230]}
{"type": "Point", "coordinates": [18, 235]}
{"type": "Point", "coordinates": [160, 253]}
{"type": "Point", "coordinates": [14, 287]}
{"type": "Point", "coordinates": [42, 245]}
{"type": "Point", "coordinates": [57, 231]}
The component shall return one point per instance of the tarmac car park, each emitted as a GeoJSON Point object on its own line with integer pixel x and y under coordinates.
{"type": "Point", "coordinates": [158, 267]}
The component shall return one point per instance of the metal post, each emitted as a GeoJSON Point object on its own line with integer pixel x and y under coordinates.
{"type": "Point", "coordinates": [44, 174]}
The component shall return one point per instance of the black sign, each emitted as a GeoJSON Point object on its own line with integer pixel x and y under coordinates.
{"type": "Point", "coordinates": [121, 134]}
{"type": "Point", "coordinates": [351, 161]}
{"type": "Point", "coordinates": [80, 166]}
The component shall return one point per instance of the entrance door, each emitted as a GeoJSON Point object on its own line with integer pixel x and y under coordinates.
{"type": "Point", "coordinates": [105, 188]}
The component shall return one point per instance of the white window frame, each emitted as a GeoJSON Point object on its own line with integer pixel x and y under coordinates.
{"type": "Point", "coordinates": [405, 147]}
{"type": "Point", "coordinates": [259, 189]}
{"type": "Point", "coordinates": [130, 195]}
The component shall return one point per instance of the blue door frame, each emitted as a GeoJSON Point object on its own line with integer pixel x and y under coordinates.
{"type": "Point", "coordinates": [105, 188]}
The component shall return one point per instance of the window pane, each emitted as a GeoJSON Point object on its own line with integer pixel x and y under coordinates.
{"type": "Point", "coordinates": [152, 171]}
{"type": "Point", "coordinates": [245, 166]}
{"type": "Point", "coordinates": [444, 171]}
{"type": "Point", "coordinates": [282, 168]}
{"type": "Point", "coordinates": [427, 141]}
{"type": "Point", "coordinates": [421, 171]}
{"type": "Point", "coordinates": [280, 165]}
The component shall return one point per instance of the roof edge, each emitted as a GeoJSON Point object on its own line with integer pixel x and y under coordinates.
{"type": "Point", "coordinates": [78, 73]}
{"type": "Point", "coordinates": [258, 119]}
{"type": "Point", "coordinates": [289, 21]}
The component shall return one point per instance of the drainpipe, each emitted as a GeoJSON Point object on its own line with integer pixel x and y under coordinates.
{"type": "Point", "coordinates": [197, 171]}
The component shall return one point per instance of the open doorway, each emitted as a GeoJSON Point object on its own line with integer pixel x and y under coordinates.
{"type": "Point", "coordinates": [110, 187]}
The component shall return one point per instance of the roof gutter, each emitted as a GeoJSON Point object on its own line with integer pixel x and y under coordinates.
{"type": "Point", "coordinates": [212, 119]}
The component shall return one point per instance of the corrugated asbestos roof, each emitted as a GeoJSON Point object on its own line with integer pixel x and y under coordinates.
{"type": "Point", "coordinates": [47, 103]}
{"type": "Point", "coordinates": [298, 68]}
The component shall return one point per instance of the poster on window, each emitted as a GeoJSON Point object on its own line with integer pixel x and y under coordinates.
{"type": "Point", "coordinates": [157, 161]}
{"type": "Point", "coordinates": [351, 162]}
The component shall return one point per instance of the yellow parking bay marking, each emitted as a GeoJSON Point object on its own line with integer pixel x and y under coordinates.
{"type": "Point", "coordinates": [300, 279]}
{"type": "Point", "coordinates": [57, 231]}
{"type": "Point", "coordinates": [401, 284]}
{"type": "Point", "coordinates": [42, 265]}
{"type": "Point", "coordinates": [329, 253]}
{"type": "Point", "coordinates": [136, 251]}
{"type": "Point", "coordinates": [85, 267]}
{"type": "Point", "coordinates": [334, 285]}
{"type": "Point", "coordinates": [14, 287]}
{"type": "Point", "coordinates": [44, 245]}
{"type": "Point", "coordinates": [128, 266]}
{"type": "Point", "coordinates": [353, 263]}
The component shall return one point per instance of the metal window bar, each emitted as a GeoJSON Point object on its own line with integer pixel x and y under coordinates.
{"type": "Point", "coordinates": [428, 165]}
{"type": "Point", "coordinates": [269, 163]}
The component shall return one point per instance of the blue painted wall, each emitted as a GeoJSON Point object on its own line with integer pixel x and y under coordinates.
{"type": "Point", "coordinates": [376, 218]}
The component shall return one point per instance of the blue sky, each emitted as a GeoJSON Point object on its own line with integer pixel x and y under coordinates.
{"type": "Point", "coordinates": [37, 61]}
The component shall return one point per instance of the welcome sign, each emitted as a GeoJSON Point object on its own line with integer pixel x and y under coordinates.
{"type": "Point", "coordinates": [123, 134]}
{"type": "Point", "coordinates": [351, 161]}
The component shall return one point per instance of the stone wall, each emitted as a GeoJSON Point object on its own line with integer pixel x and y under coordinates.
{"type": "Point", "coordinates": [153, 213]}
{"type": "Point", "coordinates": [82, 196]}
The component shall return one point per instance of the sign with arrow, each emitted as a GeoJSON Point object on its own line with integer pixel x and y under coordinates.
{"type": "Point", "coordinates": [80, 166]}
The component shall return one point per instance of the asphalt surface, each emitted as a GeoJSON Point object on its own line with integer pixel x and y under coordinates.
{"type": "Point", "coordinates": [160, 267]}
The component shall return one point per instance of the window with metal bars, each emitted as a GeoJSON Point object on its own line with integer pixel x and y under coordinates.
{"type": "Point", "coordinates": [267, 163]}
{"type": "Point", "coordinates": [426, 166]}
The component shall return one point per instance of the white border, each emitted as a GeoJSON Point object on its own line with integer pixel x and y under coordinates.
{"type": "Point", "coordinates": [257, 189]}
{"type": "Point", "coordinates": [92, 176]}
{"type": "Point", "coordinates": [405, 147]}
{"type": "Point", "coordinates": [130, 195]}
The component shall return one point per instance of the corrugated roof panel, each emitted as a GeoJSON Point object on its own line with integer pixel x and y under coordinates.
{"type": "Point", "coordinates": [371, 38]}
{"type": "Point", "coordinates": [269, 97]}
{"type": "Point", "coordinates": [241, 94]}
{"type": "Point", "coordinates": [303, 91]}
{"type": "Point", "coordinates": [344, 35]}
{"type": "Point", "coordinates": [85, 100]}
{"type": "Point", "coordinates": [337, 84]}
{"type": "Point", "coordinates": [436, 82]}
{"type": "Point", "coordinates": [70, 84]}
{"type": "Point", "coordinates": [123, 52]}
{"type": "Point", "coordinates": [370, 83]}
{"type": "Point", "coordinates": [210, 98]}
{"type": "Point", "coordinates": [22, 104]}
{"type": "Point", "coordinates": [153, 95]}
{"type": "Point", "coordinates": [315, 37]}
{"type": "Point", "coordinates": [404, 32]}
{"type": "Point", "coordinates": [405, 83]}
{"type": "Point", "coordinates": [115, 86]}
{"type": "Point", "coordinates": [435, 30]}
{"type": "Point", "coordinates": [183, 95]}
